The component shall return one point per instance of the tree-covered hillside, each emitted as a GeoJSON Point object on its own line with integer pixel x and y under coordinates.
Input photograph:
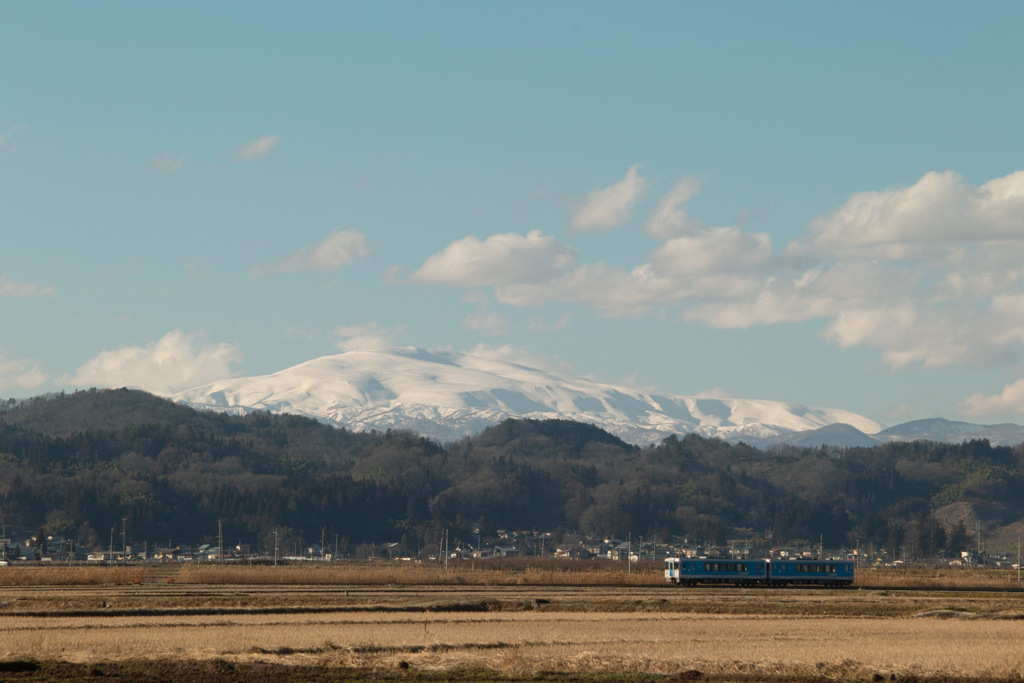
{"type": "Point", "coordinates": [78, 464]}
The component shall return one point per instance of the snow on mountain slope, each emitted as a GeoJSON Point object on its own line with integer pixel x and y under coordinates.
{"type": "Point", "coordinates": [445, 396]}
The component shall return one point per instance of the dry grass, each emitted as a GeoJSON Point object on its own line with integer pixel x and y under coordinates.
{"type": "Point", "coordinates": [526, 644]}
{"type": "Point", "coordinates": [514, 572]}
{"type": "Point", "coordinates": [62, 575]}
{"type": "Point", "coordinates": [483, 573]}
{"type": "Point", "coordinates": [726, 633]}
{"type": "Point", "coordinates": [931, 579]}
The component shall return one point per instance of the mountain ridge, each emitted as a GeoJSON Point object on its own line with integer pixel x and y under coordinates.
{"type": "Point", "coordinates": [943, 430]}
{"type": "Point", "coordinates": [446, 395]}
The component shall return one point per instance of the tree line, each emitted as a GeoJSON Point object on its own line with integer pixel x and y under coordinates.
{"type": "Point", "coordinates": [79, 464]}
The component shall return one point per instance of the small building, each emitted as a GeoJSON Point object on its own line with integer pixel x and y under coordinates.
{"type": "Point", "coordinates": [167, 554]}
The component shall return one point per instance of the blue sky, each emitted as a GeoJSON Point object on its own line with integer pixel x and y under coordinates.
{"type": "Point", "coordinates": [812, 202]}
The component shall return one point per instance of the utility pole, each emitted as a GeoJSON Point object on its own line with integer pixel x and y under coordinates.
{"type": "Point", "coordinates": [220, 541]}
{"type": "Point", "coordinates": [322, 552]}
{"type": "Point", "coordinates": [124, 543]}
{"type": "Point", "coordinates": [275, 547]}
{"type": "Point", "coordinates": [111, 545]}
{"type": "Point", "coordinates": [629, 552]}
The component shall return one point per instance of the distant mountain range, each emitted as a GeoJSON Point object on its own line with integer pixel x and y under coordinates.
{"type": "Point", "coordinates": [447, 395]}
{"type": "Point", "coordinates": [934, 429]}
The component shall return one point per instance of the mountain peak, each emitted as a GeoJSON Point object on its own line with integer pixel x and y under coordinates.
{"type": "Point", "coordinates": [940, 429]}
{"type": "Point", "coordinates": [447, 395]}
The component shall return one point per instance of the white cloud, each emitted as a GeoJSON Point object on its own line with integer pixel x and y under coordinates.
{"type": "Point", "coordinates": [669, 219]}
{"type": "Point", "coordinates": [720, 250]}
{"type": "Point", "coordinates": [254, 149]}
{"type": "Point", "coordinates": [609, 289]}
{"type": "Point", "coordinates": [929, 275]}
{"type": "Point", "coordinates": [533, 270]}
{"type": "Point", "coordinates": [521, 356]}
{"type": "Point", "coordinates": [539, 325]}
{"type": "Point", "coordinates": [932, 274]}
{"type": "Point", "coordinates": [165, 164]}
{"type": "Point", "coordinates": [487, 323]}
{"type": "Point", "coordinates": [300, 334]}
{"type": "Point", "coordinates": [394, 275]}
{"type": "Point", "coordinates": [20, 374]}
{"type": "Point", "coordinates": [23, 289]}
{"type": "Point", "coordinates": [177, 361]}
{"type": "Point", "coordinates": [982, 270]}
{"type": "Point", "coordinates": [906, 335]}
{"type": "Point", "coordinates": [715, 392]}
{"type": "Point", "coordinates": [1008, 308]}
{"type": "Point", "coordinates": [366, 337]}
{"type": "Point", "coordinates": [339, 248]}
{"type": "Point", "coordinates": [500, 259]}
{"type": "Point", "coordinates": [609, 207]}
{"type": "Point", "coordinates": [1009, 402]}
{"type": "Point", "coordinates": [7, 140]}
{"type": "Point", "coordinates": [915, 222]}
{"type": "Point", "coordinates": [956, 333]}
{"type": "Point", "coordinates": [798, 295]}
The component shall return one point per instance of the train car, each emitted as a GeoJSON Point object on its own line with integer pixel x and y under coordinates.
{"type": "Point", "coordinates": [811, 572]}
{"type": "Point", "coordinates": [704, 571]}
{"type": "Point", "coordinates": [692, 572]}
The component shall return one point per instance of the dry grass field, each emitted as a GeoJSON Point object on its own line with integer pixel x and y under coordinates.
{"type": "Point", "coordinates": [511, 572]}
{"type": "Point", "coordinates": [225, 623]}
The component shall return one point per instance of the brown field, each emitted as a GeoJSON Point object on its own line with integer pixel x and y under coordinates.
{"type": "Point", "coordinates": [373, 622]}
{"type": "Point", "coordinates": [512, 572]}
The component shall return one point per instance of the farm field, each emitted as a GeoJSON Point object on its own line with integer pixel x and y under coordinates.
{"type": "Point", "coordinates": [160, 630]}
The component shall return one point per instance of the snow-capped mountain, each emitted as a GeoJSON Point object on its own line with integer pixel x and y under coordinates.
{"type": "Point", "coordinates": [445, 396]}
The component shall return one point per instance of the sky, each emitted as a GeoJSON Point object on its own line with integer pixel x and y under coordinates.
{"type": "Point", "coordinates": [802, 201]}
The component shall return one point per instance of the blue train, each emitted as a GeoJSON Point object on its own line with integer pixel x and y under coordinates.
{"type": "Point", "coordinates": [759, 572]}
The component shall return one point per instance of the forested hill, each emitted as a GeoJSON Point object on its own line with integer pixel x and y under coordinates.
{"type": "Point", "coordinates": [78, 464]}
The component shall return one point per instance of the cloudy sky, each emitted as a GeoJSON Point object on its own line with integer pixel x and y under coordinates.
{"type": "Point", "coordinates": [812, 202]}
